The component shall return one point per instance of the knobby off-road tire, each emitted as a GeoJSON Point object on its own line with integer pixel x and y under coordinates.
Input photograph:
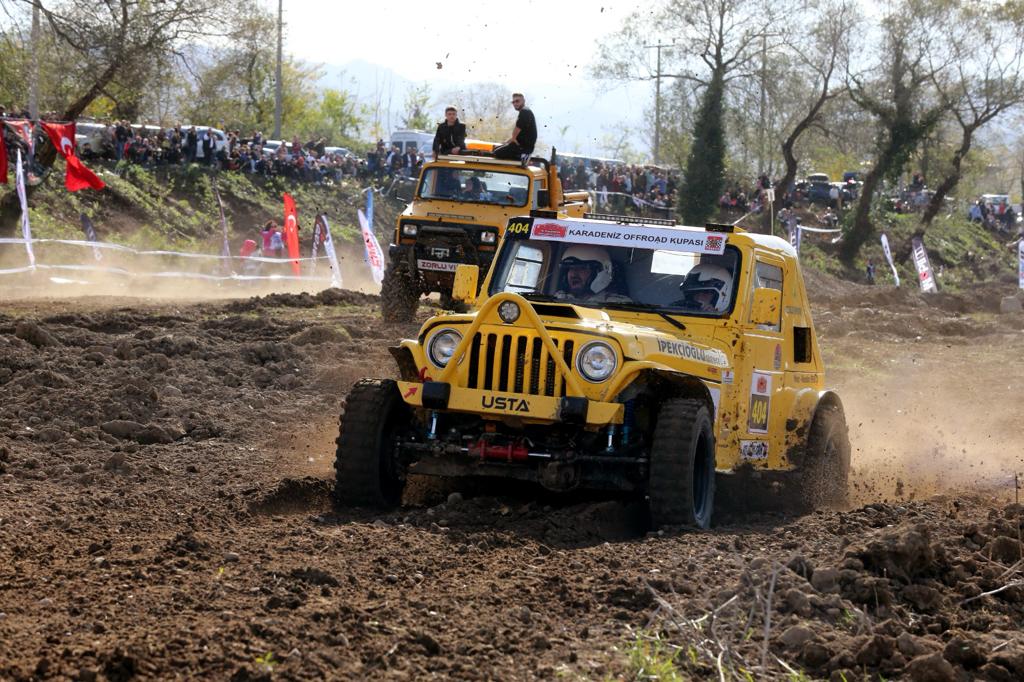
{"type": "Point", "coordinates": [682, 478]}
{"type": "Point", "coordinates": [367, 470]}
{"type": "Point", "coordinates": [399, 295]}
{"type": "Point", "coordinates": [826, 467]}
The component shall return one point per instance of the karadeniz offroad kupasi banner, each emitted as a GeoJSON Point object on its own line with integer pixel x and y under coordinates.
{"type": "Point", "coordinates": [924, 268]}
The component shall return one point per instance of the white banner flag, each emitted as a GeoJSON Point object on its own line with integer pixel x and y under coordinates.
{"type": "Point", "coordinates": [331, 255]}
{"type": "Point", "coordinates": [26, 230]}
{"type": "Point", "coordinates": [374, 255]}
{"type": "Point", "coordinates": [796, 237]}
{"type": "Point", "coordinates": [1020, 259]}
{"type": "Point", "coordinates": [888, 258]}
{"type": "Point", "coordinates": [924, 268]}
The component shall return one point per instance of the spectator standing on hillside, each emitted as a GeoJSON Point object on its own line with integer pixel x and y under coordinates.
{"type": "Point", "coordinates": [450, 137]}
{"type": "Point", "coordinates": [207, 147]}
{"type": "Point", "coordinates": [191, 140]}
{"type": "Point", "coordinates": [121, 135]}
{"type": "Point", "coordinates": [520, 146]}
{"type": "Point", "coordinates": [266, 236]}
{"type": "Point", "coordinates": [870, 269]}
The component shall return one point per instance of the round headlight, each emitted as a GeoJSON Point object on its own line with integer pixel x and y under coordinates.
{"type": "Point", "coordinates": [409, 230]}
{"type": "Point", "coordinates": [596, 361]}
{"type": "Point", "coordinates": [442, 346]}
{"type": "Point", "coordinates": [508, 312]}
{"type": "Point", "coordinates": [488, 237]}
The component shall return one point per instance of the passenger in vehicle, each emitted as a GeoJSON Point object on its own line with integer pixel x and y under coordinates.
{"type": "Point", "coordinates": [706, 289]}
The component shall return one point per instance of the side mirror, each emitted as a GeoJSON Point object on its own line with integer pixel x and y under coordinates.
{"type": "Point", "coordinates": [465, 287]}
{"type": "Point", "coordinates": [543, 198]}
{"type": "Point", "coordinates": [767, 307]}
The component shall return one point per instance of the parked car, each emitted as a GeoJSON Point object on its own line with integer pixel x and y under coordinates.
{"type": "Point", "coordinates": [93, 139]}
{"type": "Point", "coordinates": [340, 151]}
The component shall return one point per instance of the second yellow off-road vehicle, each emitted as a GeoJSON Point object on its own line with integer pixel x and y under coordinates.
{"type": "Point", "coordinates": [458, 213]}
{"type": "Point", "coordinates": [604, 354]}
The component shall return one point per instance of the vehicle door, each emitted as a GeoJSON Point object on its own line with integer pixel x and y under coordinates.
{"type": "Point", "coordinates": [760, 376]}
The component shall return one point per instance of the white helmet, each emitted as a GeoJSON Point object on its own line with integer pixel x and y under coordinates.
{"type": "Point", "coordinates": [584, 254]}
{"type": "Point", "coordinates": [708, 277]}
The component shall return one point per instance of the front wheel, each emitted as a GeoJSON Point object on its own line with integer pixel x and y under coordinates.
{"type": "Point", "coordinates": [826, 463]}
{"type": "Point", "coordinates": [399, 295]}
{"type": "Point", "coordinates": [368, 472]}
{"type": "Point", "coordinates": [681, 488]}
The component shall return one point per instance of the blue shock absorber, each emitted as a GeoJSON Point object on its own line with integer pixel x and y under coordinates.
{"type": "Point", "coordinates": [628, 419]}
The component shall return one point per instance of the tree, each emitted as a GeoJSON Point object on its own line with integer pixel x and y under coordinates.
{"type": "Point", "coordinates": [898, 92]}
{"type": "Point", "coordinates": [988, 81]}
{"type": "Point", "coordinates": [705, 166]}
{"type": "Point", "coordinates": [817, 60]}
{"type": "Point", "coordinates": [417, 102]}
{"type": "Point", "coordinates": [485, 109]}
{"type": "Point", "coordinates": [99, 43]}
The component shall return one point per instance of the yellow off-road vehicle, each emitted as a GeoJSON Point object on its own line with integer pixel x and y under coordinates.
{"type": "Point", "coordinates": [606, 354]}
{"type": "Point", "coordinates": [461, 206]}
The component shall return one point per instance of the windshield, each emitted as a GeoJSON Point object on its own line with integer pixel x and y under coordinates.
{"type": "Point", "coordinates": [475, 186]}
{"type": "Point", "coordinates": [619, 276]}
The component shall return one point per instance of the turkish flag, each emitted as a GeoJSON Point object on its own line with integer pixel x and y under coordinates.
{"type": "Point", "coordinates": [291, 231]}
{"type": "Point", "coordinates": [78, 176]}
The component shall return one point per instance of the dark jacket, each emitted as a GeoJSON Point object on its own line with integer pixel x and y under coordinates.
{"type": "Point", "coordinates": [448, 137]}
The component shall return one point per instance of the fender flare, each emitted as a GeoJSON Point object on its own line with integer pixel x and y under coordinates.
{"type": "Point", "coordinates": [676, 385]}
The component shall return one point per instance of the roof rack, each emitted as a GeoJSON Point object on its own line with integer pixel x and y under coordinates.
{"type": "Point", "coordinates": [630, 220]}
{"type": "Point", "coordinates": [487, 158]}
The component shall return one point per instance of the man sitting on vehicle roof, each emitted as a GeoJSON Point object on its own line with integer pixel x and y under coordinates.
{"type": "Point", "coordinates": [450, 137]}
{"type": "Point", "coordinates": [520, 146]}
{"type": "Point", "coordinates": [585, 273]}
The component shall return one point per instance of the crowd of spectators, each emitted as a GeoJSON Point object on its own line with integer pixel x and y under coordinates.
{"type": "Point", "coordinates": [623, 188]}
{"type": "Point", "coordinates": [310, 161]}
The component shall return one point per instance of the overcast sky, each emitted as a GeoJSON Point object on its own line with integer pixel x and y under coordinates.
{"type": "Point", "coordinates": [540, 47]}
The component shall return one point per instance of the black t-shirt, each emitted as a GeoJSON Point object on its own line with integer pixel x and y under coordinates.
{"type": "Point", "coordinates": [527, 125]}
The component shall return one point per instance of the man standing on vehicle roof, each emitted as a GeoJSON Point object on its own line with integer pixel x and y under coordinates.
{"type": "Point", "coordinates": [450, 137]}
{"type": "Point", "coordinates": [519, 147]}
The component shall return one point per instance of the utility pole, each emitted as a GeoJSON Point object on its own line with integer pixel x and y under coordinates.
{"type": "Point", "coordinates": [277, 85]}
{"type": "Point", "coordinates": [657, 102]}
{"type": "Point", "coordinates": [763, 131]}
{"type": "Point", "coordinates": [33, 93]}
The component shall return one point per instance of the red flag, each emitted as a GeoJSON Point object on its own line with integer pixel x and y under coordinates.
{"type": "Point", "coordinates": [23, 129]}
{"type": "Point", "coordinates": [78, 176]}
{"type": "Point", "coordinates": [291, 231]}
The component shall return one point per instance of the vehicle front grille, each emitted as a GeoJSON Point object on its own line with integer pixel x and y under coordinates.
{"type": "Point", "coordinates": [517, 363]}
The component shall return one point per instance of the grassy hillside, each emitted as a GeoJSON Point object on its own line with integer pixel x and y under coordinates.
{"type": "Point", "coordinates": [961, 253]}
{"type": "Point", "coordinates": [175, 208]}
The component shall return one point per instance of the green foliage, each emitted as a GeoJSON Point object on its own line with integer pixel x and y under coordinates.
{"type": "Point", "coordinates": [650, 658]}
{"type": "Point", "coordinates": [417, 103]}
{"type": "Point", "coordinates": [705, 166]}
{"type": "Point", "coordinates": [174, 208]}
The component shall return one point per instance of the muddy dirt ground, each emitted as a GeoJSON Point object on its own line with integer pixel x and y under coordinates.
{"type": "Point", "coordinates": [165, 478]}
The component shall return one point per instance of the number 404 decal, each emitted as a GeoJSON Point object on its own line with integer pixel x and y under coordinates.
{"type": "Point", "coordinates": [760, 402]}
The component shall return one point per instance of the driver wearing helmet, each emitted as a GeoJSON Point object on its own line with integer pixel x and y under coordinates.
{"type": "Point", "coordinates": [585, 272]}
{"type": "Point", "coordinates": [706, 289]}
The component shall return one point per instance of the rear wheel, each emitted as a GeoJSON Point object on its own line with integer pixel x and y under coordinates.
{"type": "Point", "coordinates": [367, 469]}
{"type": "Point", "coordinates": [826, 465]}
{"type": "Point", "coordinates": [399, 295]}
{"type": "Point", "coordinates": [682, 478]}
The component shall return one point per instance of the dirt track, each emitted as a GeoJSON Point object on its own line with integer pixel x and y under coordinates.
{"type": "Point", "coordinates": [164, 513]}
